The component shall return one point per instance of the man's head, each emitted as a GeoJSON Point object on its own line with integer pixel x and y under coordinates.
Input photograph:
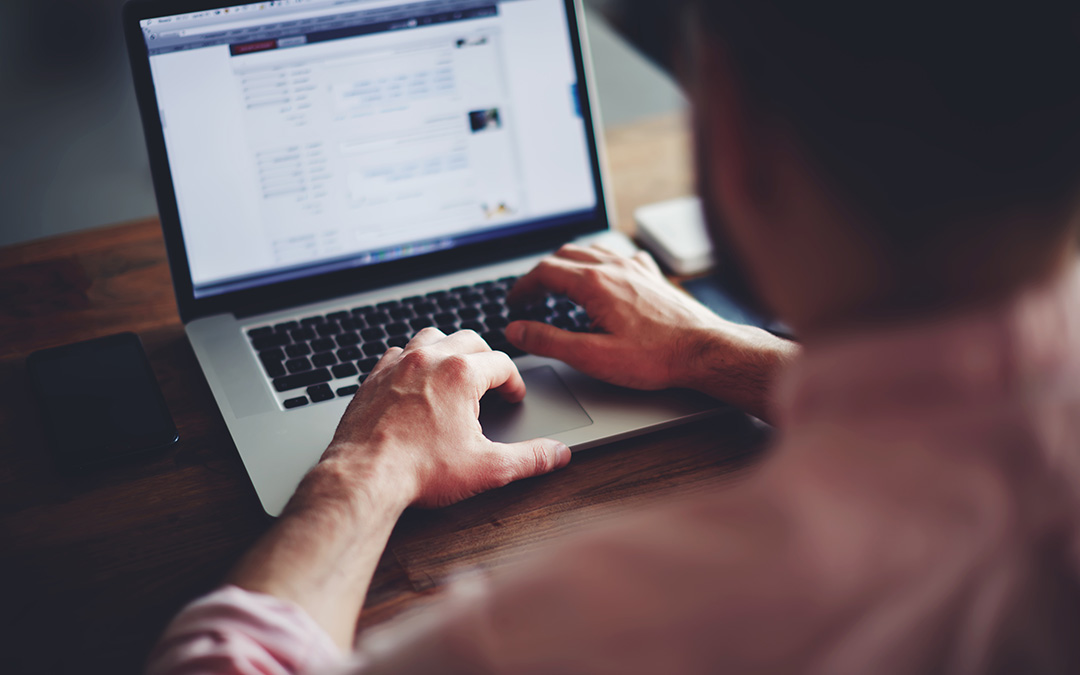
{"type": "Point", "coordinates": [863, 155]}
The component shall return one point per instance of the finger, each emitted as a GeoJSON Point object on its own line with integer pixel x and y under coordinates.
{"type": "Point", "coordinates": [428, 336]}
{"type": "Point", "coordinates": [579, 253]}
{"type": "Point", "coordinates": [391, 357]}
{"type": "Point", "coordinates": [648, 261]}
{"type": "Point", "coordinates": [555, 275]}
{"type": "Point", "coordinates": [606, 252]}
{"type": "Point", "coordinates": [530, 458]}
{"type": "Point", "coordinates": [496, 372]}
{"type": "Point", "coordinates": [576, 349]}
{"type": "Point", "coordinates": [463, 342]}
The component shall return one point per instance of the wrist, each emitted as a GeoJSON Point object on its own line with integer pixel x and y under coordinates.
{"type": "Point", "coordinates": [736, 364]}
{"type": "Point", "coordinates": [356, 481]}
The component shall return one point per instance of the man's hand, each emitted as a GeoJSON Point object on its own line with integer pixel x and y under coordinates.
{"type": "Point", "coordinates": [652, 335]}
{"type": "Point", "coordinates": [416, 417]}
{"type": "Point", "coordinates": [410, 436]}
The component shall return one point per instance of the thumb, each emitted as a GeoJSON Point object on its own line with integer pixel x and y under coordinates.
{"type": "Point", "coordinates": [532, 458]}
{"type": "Point", "coordinates": [542, 339]}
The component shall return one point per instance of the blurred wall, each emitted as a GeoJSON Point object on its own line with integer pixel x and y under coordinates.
{"type": "Point", "coordinates": [71, 147]}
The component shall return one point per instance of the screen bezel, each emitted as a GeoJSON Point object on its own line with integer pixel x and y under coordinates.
{"type": "Point", "coordinates": [120, 448]}
{"type": "Point", "coordinates": [295, 292]}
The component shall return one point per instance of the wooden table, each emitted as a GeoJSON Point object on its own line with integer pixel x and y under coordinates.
{"type": "Point", "coordinates": [93, 567]}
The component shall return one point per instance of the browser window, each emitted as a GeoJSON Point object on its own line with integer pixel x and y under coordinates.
{"type": "Point", "coordinates": [310, 136]}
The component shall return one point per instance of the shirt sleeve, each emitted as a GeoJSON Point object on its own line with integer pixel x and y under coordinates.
{"type": "Point", "coordinates": [241, 633]}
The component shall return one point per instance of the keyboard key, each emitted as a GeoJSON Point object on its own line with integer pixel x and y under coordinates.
{"type": "Point", "coordinates": [445, 318]}
{"type": "Point", "coordinates": [363, 311]}
{"type": "Point", "coordinates": [328, 329]}
{"type": "Point", "coordinates": [475, 326]}
{"type": "Point", "coordinates": [367, 365]}
{"type": "Point", "coordinates": [421, 323]}
{"type": "Point", "coordinates": [494, 309]}
{"type": "Point", "coordinates": [298, 350]}
{"type": "Point", "coordinates": [348, 339]}
{"type": "Point", "coordinates": [312, 321]}
{"type": "Point", "coordinates": [337, 316]}
{"type": "Point", "coordinates": [494, 338]}
{"type": "Point", "coordinates": [378, 319]}
{"type": "Point", "coordinates": [435, 295]}
{"type": "Point", "coordinates": [425, 308]}
{"type": "Point", "coordinates": [448, 328]}
{"type": "Point", "coordinates": [349, 354]}
{"type": "Point", "coordinates": [302, 335]}
{"type": "Point", "coordinates": [260, 332]}
{"type": "Point", "coordinates": [275, 354]}
{"type": "Point", "coordinates": [372, 334]}
{"type": "Point", "coordinates": [412, 300]}
{"type": "Point", "coordinates": [388, 305]}
{"type": "Point", "coordinates": [397, 329]}
{"type": "Point", "coordinates": [269, 341]}
{"type": "Point", "coordinates": [472, 298]}
{"type": "Point", "coordinates": [352, 324]}
{"type": "Point", "coordinates": [401, 313]}
{"type": "Point", "coordinates": [450, 302]}
{"type": "Point", "coordinates": [469, 313]}
{"type": "Point", "coordinates": [460, 289]}
{"type": "Point", "coordinates": [398, 341]}
{"type": "Point", "coordinates": [564, 322]}
{"type": "Point", "coordinates": [298, 402]}
{"type": "Point", "coordinates": [298, 365]}
{"type": "Point", "coordinates": [290, 382]}
{"type": "Point", "coordinates": [324, 359]}
{"type": "Point", "coordinates": [323, 345]}
{"type": "Point", "coordinates": [377, 348]}
{"type": "Point", "coordinates": [497, 322]}
{"type": "Point", "coordinates": [565, 307]}
{"type": "Point", "coordinates": [320, 393]}
{"type": "Point", "coordinates": [274, 369]}
{"type": "Point", "coordinates": [351, 390]}
{"type": "Point", "coordinates": [287, 327]}
{"type": "Point", "coordinates": [343, 370]}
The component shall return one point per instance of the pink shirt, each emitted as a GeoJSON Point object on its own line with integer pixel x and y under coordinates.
{"type": "Point", "coordinates": [919, 514]}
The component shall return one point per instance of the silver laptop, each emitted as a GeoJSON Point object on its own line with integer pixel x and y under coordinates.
{"type": "Point", "coordinates": [335, 175]}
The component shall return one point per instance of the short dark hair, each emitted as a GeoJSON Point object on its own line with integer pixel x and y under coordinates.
{"type": "Point", "coordinates": [924, 113]}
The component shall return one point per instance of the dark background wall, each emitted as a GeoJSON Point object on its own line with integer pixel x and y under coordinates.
{"type": "Point", "coordinates": [71, 148]}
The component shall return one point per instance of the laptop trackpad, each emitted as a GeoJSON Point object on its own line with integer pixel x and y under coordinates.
{"type": "Point", "coordinates": [548, 409]}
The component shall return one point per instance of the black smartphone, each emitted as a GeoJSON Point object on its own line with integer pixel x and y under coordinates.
{"type": "Point", "coordinates": [100, 402]}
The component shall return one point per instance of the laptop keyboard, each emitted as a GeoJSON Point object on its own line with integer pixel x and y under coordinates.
{"type": "Point", "coordinates": [318, 358]}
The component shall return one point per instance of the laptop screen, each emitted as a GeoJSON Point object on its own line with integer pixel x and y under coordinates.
{"type": "Point", "coordinates": [311, 136]}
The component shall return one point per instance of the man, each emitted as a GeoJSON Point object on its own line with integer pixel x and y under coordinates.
{"type": "Point", "coordinates": [898, 184]}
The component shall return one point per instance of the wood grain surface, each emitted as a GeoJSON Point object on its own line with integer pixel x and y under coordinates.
{"type": "Point", "coordinates": [92, 567]}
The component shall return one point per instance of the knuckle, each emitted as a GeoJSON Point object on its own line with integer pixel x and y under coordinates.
{"type": "Point", "coordinates": [430, 331]}
{"type": "Point", "coordinates": [458, 367]}
{"type": "Point", "coordinates": [594, 277]}
{"type": "Point", "coordinates": [547, 265]}
{"type": "Point", "coordinates": [417, 359]}
{"type": "Point", "coordinates": [539, 460]}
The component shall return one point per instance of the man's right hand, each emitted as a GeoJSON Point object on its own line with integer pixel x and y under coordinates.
{"type": "Point", "coordinates": [651, 335]}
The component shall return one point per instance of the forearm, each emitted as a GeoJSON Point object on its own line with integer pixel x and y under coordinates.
{"type": "Point", "coordinates": [322, 553]}
{"type": "Point", "coordinates": [738, 365]}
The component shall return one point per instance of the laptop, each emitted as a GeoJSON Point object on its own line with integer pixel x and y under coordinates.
{"type": "Point", "coordinates": [335, 175]}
